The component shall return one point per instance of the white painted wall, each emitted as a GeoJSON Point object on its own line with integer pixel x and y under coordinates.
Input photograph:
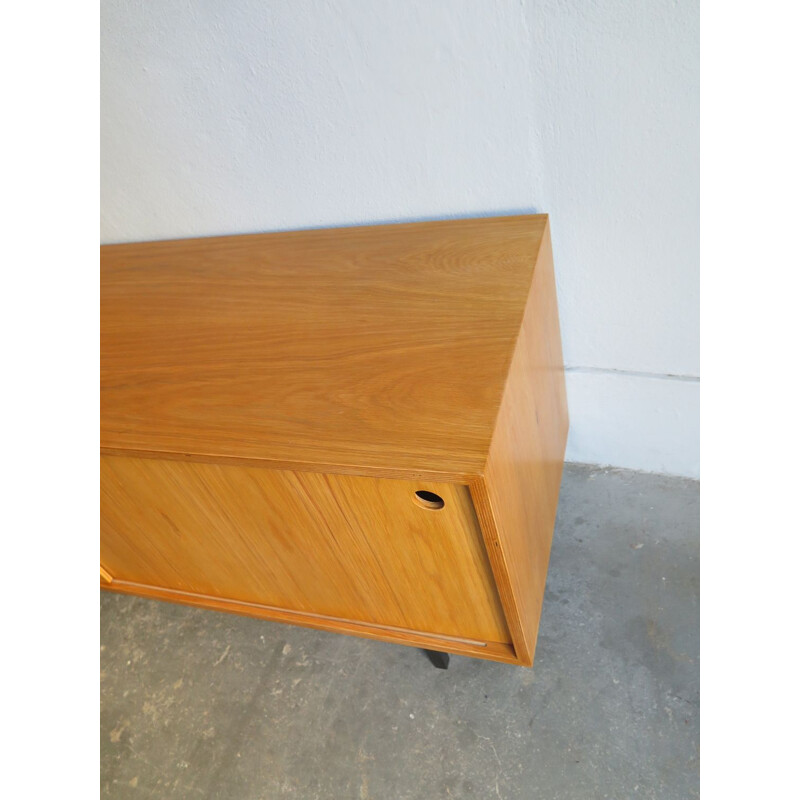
{"type": "Point", "coordinates": [250, 116]}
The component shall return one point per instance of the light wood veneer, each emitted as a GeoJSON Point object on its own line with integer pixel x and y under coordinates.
{"type": "Point", "coordinates": [270, 405]}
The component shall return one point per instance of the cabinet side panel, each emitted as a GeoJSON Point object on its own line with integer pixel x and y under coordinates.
{"type": "Point", "coordinates": [526, 457]}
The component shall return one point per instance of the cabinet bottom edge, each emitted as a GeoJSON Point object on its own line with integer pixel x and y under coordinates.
{"type": "Point", "coordinates": [493, 651]}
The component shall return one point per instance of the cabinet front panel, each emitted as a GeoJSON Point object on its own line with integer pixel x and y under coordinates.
{"type": "Point", "coordinates": [357, 548]}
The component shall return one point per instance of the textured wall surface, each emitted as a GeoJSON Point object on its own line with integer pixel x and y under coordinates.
{"type": "Point", "coordinates": [251, 116]}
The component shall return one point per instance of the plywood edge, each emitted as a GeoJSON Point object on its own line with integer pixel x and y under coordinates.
{"type": "Point", "coordinates": [105, 576]}
{"type": "Point", "coordinates": [492, 651]}
{"type": "Point", "coordinates": [500, 570]}
{"type": "Point", "coordinates": [519, 487]}
{"type": "Point", "coordinates": [399, 473]}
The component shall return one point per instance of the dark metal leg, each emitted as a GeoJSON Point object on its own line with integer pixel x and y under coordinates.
{"type": "Point", "coordinates": [439, 660]}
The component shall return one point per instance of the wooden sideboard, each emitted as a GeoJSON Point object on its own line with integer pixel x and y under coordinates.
{"type": "Point", "coordinates": [356, 429]}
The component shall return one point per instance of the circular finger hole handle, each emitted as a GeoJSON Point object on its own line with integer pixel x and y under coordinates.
{"type": "Point", "coordinates": [428, 500]}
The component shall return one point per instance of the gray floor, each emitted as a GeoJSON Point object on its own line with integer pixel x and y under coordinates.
{"type": "Point", "coordinates": [199, 704]}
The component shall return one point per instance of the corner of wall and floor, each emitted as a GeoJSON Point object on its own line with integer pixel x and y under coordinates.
{"type": "Point", "coordinates": [640, 421]}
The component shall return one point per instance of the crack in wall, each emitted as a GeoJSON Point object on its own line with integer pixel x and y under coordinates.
{"type": "Point", "coordinates": [633, 373]}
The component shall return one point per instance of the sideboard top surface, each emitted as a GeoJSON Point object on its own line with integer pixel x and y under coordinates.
{"type": "Point", "coordinates": [381, 349]}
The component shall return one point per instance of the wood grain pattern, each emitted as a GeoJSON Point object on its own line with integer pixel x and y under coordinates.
{"type": "Point", "coordinates": [270, 404]}
{"type": "Point", "coordinates": [373, 350]}
{"type": "Point", "coordinates": [517, 496]}
{"type": "Point", "coordinates": [350, 548]}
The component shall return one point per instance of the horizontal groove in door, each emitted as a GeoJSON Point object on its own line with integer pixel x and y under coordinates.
{"type": "Point", "coordinates": [494, 651]}
{"type": "Point", "coordinates": [288, 611]}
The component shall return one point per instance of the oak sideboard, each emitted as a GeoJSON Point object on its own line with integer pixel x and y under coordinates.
{"type": "Point", "coordinates": [357, 429]}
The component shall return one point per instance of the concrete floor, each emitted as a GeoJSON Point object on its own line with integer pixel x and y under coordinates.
{"type": "Point", "coordinates": [200, 704]}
